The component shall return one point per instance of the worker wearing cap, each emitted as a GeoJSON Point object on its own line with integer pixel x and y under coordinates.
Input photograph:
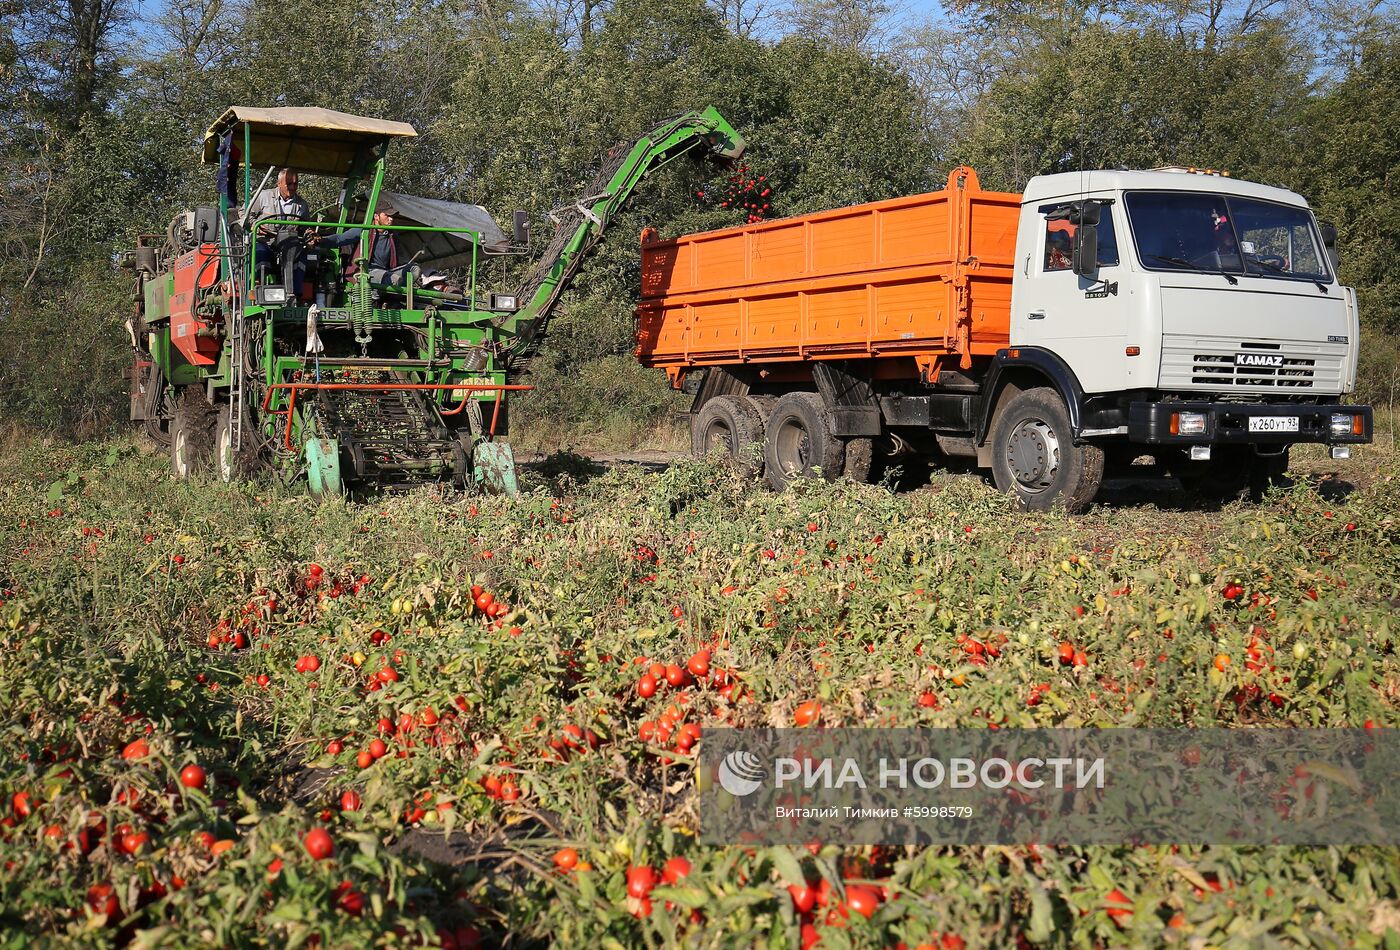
{"type": "Point", "coordinates": [276, 243]}
{"type": "Point", "coordinates": [384, 266]}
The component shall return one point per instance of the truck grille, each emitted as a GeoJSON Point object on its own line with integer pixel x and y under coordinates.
{"type": "Point", "coordinates": [1192, 363]}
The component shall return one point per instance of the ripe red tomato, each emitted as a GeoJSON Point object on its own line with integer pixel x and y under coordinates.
{"type": "Point", "coordinates": [640, 881]}
{"type": "Point", "coordinates": [928, 700]}
{"type": "Point", "coordinates": [363, 759]}
{"type": "Point", "coordinates": [1066, 653]}
{"type": "Point", "coordinates": [484, 600]}
{"type": "Point", "coordinates": [20, 805]}
{"type": "Point", "coordinates": [318, 844]}
{"type": "Point", "coordinates": [349, 800]}
{"type": "Point", "coordinates": [807, 713]}
{"type": "Point", "coordinates": [377, 748]}
{"type": "Point", "coordinates": [136, 750]}
{"type": "Point", "coordinates": [102, 898]}
{"type": "Point", "coordinates": [1119, 906]}
{"type": "Point", "coordinates": [677, 676]}
{"type": "Point", "coordinates": [192, 776]}
{"type": "Point", "coordinates": [646, 686]}
{"type": "Point", "coordinates": [674, 870]}
{"type": "Point", "coordinates": [1222, 662]}
{"type": "Point", "coordinates": [804, 897]}
{"type": "Point", "coordinates": [313, 663]}
{"type": "Point", "coordinates": [388, 675]}
{"type": "Point", "coordinates": [566, 859]}
{"type": "Point", "coordinates": [862, 900]}
{"type": "Point", "coordinates": [133, 841]}
{"type": "Point", "coordinates": [509, 791]}
{"type": "Point", "coordinates": [335, 747]}
{"type": "Point", "coordinates": [699, 664]}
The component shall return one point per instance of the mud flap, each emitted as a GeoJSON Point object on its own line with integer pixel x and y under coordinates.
{"type": "Point", "coordinates": [323, 467]}
{"type": "Point", "coordinates": [493, 467]}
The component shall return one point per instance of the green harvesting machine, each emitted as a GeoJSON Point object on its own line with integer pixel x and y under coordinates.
{"type": "Point", "coordinates": [259, 348]}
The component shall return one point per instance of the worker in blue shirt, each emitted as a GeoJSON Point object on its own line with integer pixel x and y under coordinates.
{"type": "Point", "coordinates": [384, 266]}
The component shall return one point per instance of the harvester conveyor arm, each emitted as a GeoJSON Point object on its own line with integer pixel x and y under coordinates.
{"type": "Point", "coordinates": [592, 214]}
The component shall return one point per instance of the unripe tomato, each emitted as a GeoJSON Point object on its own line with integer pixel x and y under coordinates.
{"type": "Point", "coordinates": [318, 844]}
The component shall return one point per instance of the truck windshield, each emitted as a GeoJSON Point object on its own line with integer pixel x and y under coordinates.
{"type": "Point", "coordinates": [1177, 230]}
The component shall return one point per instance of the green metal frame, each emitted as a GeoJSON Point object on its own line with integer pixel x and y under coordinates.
{"type": "Point", "coordinates": [447, 333]}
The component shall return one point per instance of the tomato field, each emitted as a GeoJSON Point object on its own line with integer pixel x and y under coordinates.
{"type": "Point", "coordinates": [238, 715]}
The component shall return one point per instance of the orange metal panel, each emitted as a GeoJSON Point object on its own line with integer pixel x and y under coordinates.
{"type": "Point", "coordinates": [193, 273]}
{"type": "Point", "coordinates": [927, 274]}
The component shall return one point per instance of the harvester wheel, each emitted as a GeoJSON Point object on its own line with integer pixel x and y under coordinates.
{"type": "Point", "coordinates": [731, 425]}
{"type": "Point", "coordinates": [191, 433]}
{"type": "Point", "coordinates": [1034, 456]}
{"type": "Point", "coordinates": [800, 442]}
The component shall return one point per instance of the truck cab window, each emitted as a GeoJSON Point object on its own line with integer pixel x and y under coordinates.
{"type": "Point", "coordinates": [1059, 243]}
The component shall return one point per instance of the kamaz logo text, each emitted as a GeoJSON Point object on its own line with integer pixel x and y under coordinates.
{"type": "Point", "coordinates": [1258, 359]}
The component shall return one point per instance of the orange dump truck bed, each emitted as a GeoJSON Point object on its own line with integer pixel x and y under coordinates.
{"type": "Point", "coordinates": [926, 276]}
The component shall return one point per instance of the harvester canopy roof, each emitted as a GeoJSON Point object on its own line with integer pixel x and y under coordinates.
{"type": "Point", "coordinates": [435, 248]}
{"type": "Point", "coordinates": [314, 140]}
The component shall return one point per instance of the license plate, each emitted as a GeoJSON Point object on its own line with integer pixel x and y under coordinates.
{"type": "Point", "coordinates": [1273, 423]}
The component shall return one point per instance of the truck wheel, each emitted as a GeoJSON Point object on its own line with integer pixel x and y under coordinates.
{"type": "Point", "coordinates": [1225, 478]}
{"type": "Point", "coordinates": [860, 459]}
{"type": "Point", "coordinates": [799, 441]}
{"type": "Point", "coordinates": [1267, 472]}
{"type": "Point", "coordinates": [1034, 455]}
{"type": "Point", "coordinates": [191, 434]}
{"type": "Point", "coordinates": [731, 425]}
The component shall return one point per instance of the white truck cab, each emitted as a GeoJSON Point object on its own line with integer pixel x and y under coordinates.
{"type": "Point", "coordinates": [1186, 311]}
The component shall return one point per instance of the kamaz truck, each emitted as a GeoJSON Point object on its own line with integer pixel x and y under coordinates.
{"type": "Point", "coordinates": [1096, 318]}
{"type": "Point", "coordinates": [260, 348]}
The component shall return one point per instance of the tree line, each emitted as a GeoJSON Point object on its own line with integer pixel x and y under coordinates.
{"type": "Point", "coordinates": [103, 104]}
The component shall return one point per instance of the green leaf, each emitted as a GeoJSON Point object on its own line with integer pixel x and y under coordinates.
{"type": "Point", "coordinates": [787, 865]}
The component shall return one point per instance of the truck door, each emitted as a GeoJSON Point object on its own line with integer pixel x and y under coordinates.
{"type": "Point", "coordinates": [1082, 319]}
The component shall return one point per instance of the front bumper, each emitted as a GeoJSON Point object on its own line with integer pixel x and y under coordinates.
{"type": "Point", "coordinates": [1151, 422]}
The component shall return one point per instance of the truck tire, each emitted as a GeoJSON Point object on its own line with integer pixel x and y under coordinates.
{"type": "Point", "coordinates": [799, 441]}
{"type": "Point", "coordinates": [1034, 456]}
{"type": "Point", "coordinates": [191, 434]}
{"type": "Point", "coordinates": [860, 459]}
{"type": "Point", "coordinates": [1234, 473]}
{"type": "Point", "coordinates": [732, 425]}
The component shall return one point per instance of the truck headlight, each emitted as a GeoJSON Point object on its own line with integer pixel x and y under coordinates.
{"type": "Point", "coordinates": [1188, 423]}
{"type": "Point", "coordinates": [1347, 424]}
{"type": "Point", "coordinates": [504, 302]}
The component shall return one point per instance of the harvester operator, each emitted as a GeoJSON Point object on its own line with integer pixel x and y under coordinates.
{"type": "Point", "coordinates": [281, 243]}
{"type": "Point", "coordinates": [384, 266]}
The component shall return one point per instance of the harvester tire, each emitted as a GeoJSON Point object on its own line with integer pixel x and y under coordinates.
{"type": "Point", "coordinates": [731, 425]}
{"type": "Point", "coordinates": [192, 434]}
{"type": "Point", "coordinates": [1034, 456]}
{"type": "Point", "coordinates": [799, 441]}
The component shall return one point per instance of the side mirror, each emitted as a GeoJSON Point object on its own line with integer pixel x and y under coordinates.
{"type": "Point", "coordinates": [1329, 241]}
{"type": "Point", "coordinates": [521, 222]}
{"type": "Point", "coordinates": [1085, 261]}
